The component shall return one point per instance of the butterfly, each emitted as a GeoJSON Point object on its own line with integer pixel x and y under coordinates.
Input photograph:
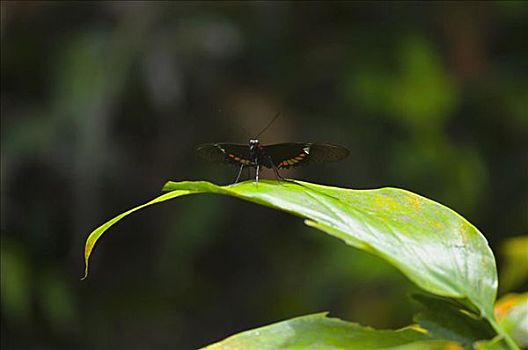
{"type": "Point", "coordinates": [276, 156]}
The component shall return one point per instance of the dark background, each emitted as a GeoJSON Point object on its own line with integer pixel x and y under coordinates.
{"type": "Point", "coordinates": [102, 102]}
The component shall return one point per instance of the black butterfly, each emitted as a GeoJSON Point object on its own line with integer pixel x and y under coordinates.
{"type": "Point", "coordinates": [278, 156]}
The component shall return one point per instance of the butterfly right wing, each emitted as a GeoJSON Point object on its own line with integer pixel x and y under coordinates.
{"type": "Point", "coordinates": [226, 153]}
{"type": "Point", "coordinates": [293, 154]}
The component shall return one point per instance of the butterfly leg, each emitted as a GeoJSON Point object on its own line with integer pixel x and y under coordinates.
{"type": "Point", "coordinates": [239, 172]}
{"type": "Point", "coordinates": [257, 172]}
{"type": "Point", "coordinates": [276, 171]}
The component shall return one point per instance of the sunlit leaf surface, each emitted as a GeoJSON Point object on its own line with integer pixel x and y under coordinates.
{"type": "Point", "coordinates": [431, 244]}
{"type": "Point", "coordinates": [320, 332]}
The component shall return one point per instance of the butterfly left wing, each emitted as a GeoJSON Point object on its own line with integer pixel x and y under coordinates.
{"type": "Point", "coordinates": [227, 153]}
{"type": "Point", "coordinates": [288, 155]}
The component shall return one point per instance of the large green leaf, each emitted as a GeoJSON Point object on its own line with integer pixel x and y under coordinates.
{"type": "Point", "coordinates": [431, 244]}
{"type": "Point", "coordinates": [320, 332]}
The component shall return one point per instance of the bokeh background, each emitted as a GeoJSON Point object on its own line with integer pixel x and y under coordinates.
{"type": "Point", "coordinates": [102, 102]}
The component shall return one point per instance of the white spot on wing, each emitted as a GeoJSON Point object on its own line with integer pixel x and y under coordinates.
{"type": "Point", "coordinates": [306, 150]}
{"type": "Point", "coordinates": [220, 148]}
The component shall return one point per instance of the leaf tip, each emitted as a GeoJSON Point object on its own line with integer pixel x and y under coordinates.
{"type": "Point", "coordinates": [87, 251]}
{"type": "Point", "coordinates": [85, 273]}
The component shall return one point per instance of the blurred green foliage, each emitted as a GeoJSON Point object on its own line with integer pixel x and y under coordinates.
{"type": "Point", "coordinates": [511, 311]}
{"type": "Point", "coordinates": [514, 269]}
{"type": "Point", "coordinates": [102, 102]}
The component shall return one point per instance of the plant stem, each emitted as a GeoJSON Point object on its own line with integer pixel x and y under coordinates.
{"type": "Point", "coordinates": [507, 338]}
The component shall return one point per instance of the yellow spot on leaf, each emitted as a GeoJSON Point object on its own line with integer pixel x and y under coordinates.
{"type": "Point", "coordinates": [415, 202]}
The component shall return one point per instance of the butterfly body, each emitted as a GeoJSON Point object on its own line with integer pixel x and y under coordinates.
{"type": "Point", "coordinates": [276, 156]}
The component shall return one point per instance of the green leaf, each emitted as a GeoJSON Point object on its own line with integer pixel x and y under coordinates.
{"type": "Point", "coordinates": [512, 313]}
{"type": "Point", "coordinates": [446, 319]}
{"type": "Point", "coordinates": [432, 245]}
{"type": "Point", "coordinates": [98, 232]}
{"type": "Point", "coordinates": [319, 332]}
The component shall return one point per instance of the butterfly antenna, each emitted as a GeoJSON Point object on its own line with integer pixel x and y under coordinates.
{"type": "Point", "coordinates": [269, 124]}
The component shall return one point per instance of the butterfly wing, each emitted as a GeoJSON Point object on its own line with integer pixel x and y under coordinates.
{"type": "Point", "coordinates": [227, 153]}
{"type": "Point", "coordinates": [326, 152]}
{"type": "Point", "coordinates": [288, 155]}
